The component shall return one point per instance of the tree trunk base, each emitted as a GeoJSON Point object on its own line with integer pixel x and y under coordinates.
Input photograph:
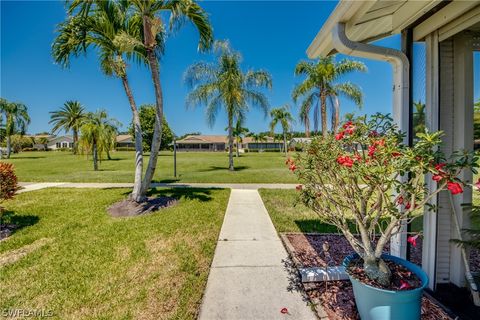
{"type": "Point", "coordinates": [377, 270]}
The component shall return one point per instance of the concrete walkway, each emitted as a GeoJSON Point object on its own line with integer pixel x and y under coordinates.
{"type": "Point", "coordinates": [248, 278]}
{"type": "Point", "coordinates": [31, 186]}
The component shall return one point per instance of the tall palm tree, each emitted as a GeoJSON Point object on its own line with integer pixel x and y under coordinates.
{"type": "Point", "coordinates": [116, 35]}
{"type": "Point", "coordinates": [97, 134]}
{"type": "Point", "coordinates": [283, 117]}
{"type": "Point", "coordinates": [70, 117]}
{"type": "Point", "coordinates": [320, 86]}
{"type": "Point", "coordinates": [16, 120]}
{"type": "Point", "coordinates": [224, 85]}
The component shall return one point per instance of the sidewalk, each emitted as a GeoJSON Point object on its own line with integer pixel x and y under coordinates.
{"type": "Point", "coordinates": [248, 278]}
{"type": "Point", "coordinates": [31, 186]}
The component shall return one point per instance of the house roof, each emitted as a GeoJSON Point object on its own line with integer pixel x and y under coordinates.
{"type": "Point", "coordinates": [251, 140]}
{"type": "Point", "coordinates": [61, 139]}
{"type": "Point", "coordinates": [193, 139]}
{"type": "Point", "coordinates": [367, 21]}
{"type": "Point", "coordinates": [124, 138]}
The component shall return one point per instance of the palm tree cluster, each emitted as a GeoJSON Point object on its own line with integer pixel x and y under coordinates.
{"type": "Point", "coordinates": [16, 119]}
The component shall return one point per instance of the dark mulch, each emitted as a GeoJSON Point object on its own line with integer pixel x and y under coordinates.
{"type": "Point", "coordinates": [402, 278]}
{"type": "Point", "coordinates": [309, 250]}
{"type": "Point", "coordinates": [127, 208]}
{"type": "Point", "coordinates": [337, 300]}
{"type": "Point", "coordinates": [6, 230]}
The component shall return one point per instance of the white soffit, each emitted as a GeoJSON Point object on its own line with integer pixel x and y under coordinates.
{"type": "Point", "coordinates": [369, 20]}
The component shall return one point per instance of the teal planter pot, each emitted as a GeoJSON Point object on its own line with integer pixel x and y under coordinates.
{"type": "Point", "coordinates": [379, 304]}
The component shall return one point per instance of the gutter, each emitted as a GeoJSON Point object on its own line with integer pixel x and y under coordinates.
{"type": "Point", "coordinates": [401, 66]}
{"type": "Point", "coordinates": [396, 58]}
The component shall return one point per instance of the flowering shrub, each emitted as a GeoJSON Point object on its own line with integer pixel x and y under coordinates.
{"type": "Point", "coordinates": [8, 182]}
{"type": "Point", "coordinates": [365, 174]}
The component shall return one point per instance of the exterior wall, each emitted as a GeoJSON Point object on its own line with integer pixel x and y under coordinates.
{"type": "Point", "coordinates": [264, 145]}
{"type": "Point", "coordinates": [63, 144]}
{"type": "Point", "coordinates": [219, 147]}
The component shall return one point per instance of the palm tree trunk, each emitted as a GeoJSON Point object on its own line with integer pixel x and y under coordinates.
{"type": "Point", "coordinates": [323, 113]}
{"type": "Point", "coordinates": [230, 142]}
{"type": "Point", "coordinates": [95, 156]}
{"type": "Point", "coordinates": [336, 114]}
{"type": "Point", "coordinates": [307, 126]}
{"type": "Point", "coordinates": [157, 134]}
{"type": "Point", "coordinates": [75, 141]}
{"type": "Point", "coordinates": [238, 143]}
{"type": "Point", "coordinates": [137, 182]}
{"type": "Point", "coordinates": [285, 143]}
{"type": "Point", "coordinates": [9, 146]}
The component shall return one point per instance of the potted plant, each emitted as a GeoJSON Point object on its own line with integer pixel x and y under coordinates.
{"type": "Point", "coordinates": [368, 184]}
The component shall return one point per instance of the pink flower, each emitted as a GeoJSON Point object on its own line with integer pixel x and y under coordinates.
{"type": "Point", "coordinates": [408, 205]}
{"type": "Point", "coordinates": [477, 184]}
{"type": "Point", "coordinates": [396, 154]}
{"type": "Point", "coordinates": [404, 285]}
{"type": "Point", "coordinates": [299, 187]}
{"type": "Point", "coordinates": [371, 151]}
{"type": "Point", "coordinates": [347, 124]}
{"type": "Point", "coordinates": [412, 240]}
{"type": "Point", "coordinates": [345, 161]}
{"type": "Point", "coordinates": [439, 166]}
{"type": "Point", "coordinates": [400, 200]}
{"type": "Point", "coordinates": [339, 136]}
{"type": "Point", "coordinates": [454, 187]}
{"type": "Point", "coordinates": [380, 142]}
{"type": "Point", "coordinates": [437, 177]}
{"type": "Point", "coordinates": [373, 134]}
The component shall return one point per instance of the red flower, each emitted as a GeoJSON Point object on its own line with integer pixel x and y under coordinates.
{"type": "Point", "coordinates": [299, 187]}
{"type": "Point", "coordinates": [412, 240]}
{"type": "Point", "coordinates": [408, 205]}
{"type": "Point", "coordinates": [477, 184]}
{"type": "Point", "coordinates": [350, 130]}
{"type": "Point", "coordinates": [396, 154]}
{"type": "Point", "coordinates": [400, 200]}
{"type": "Point", "coordinates": [373, 134]}
{"type": "Point", "coordinates": [284, 311]}
{"type": "Point", "coordinates": [347, 124]}
{"type": "Point", "coordinates": [345, 161]}
{"type": "Point", "coordinates": [293, 167]}
{"type": "Point", "coordinates": [440, 166]}
{"type": "Point", "coordinates": [437, 177]}
{"type": "Point", "coordinates": [454, 187]}
{"type": "Point", "coordinates": [404, 285]}
{"type": "Point", "coordinates": [339, 136]}
{"type": "Point", "coordinates": [371, 151]}
{"type": "Point", "coordinates": [358, 157]}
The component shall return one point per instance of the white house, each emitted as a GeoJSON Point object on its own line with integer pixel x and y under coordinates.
{"type": "Point", "coordinates": [61, 142]}
{"type": "Point", "coordinates": [441, 36]}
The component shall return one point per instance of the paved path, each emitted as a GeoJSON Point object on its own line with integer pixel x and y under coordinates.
{"type": "Point", "coordinates": [248, 278]}
{"type": "Point", "coordinates": [31, 186]}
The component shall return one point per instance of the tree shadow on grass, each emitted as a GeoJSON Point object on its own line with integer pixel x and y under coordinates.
{"type": "Point", "coordinates": [24, 158]}
{"type": "Point", "coordinates": [166, 181]}
{"type": "Point", "coordinates": [225, 169]}
{"type": "Point", "coordinates": [11, 223]}
{"type": "Point", "coordinates": [203, 195]}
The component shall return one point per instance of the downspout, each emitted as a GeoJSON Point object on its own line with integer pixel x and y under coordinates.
{"type": "Point", "coordinates": [401, 66]}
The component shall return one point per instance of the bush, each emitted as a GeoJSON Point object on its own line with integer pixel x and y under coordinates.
{"type": "Point", "coordinates": [8, 184]}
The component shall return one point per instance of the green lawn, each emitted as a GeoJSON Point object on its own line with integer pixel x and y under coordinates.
{"type": "Point", "coordinates": [82, 264]}
{"type": "Point", "coordinates": [211, 167]}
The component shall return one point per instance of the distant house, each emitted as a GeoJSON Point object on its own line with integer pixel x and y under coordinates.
{"type": "Point", "coordinates": [220, 143]}
{"type": "Point", "coordinates": [61, 142]}
{"type": "Point", "coordinates": [202, 143]}
{"type": "Point", "coordinates": [125, 141]}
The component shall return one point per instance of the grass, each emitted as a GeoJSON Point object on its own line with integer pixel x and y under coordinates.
{"type": "Point", "coordinates": [73, 259]}
{"type": "Point", "coordinates": [211, 167]}
{"type": "Point", "coordinates": [287, 216]}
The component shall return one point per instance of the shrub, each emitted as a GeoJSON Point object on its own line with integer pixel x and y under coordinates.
{"type": "Point", "coordinates": [8, 184]}
{"type": "Point", "coordinates": [352, 175]}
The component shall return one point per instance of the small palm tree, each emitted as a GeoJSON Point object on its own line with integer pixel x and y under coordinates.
{"type": "Point", "coordinates": [239, 132]}
{"type": "Point", "coordinates": [16, 120]}
{"type": "Point", "coordinates": [225, 85]}
{"type": "Point", "coordinates": [419, 118]}
{"type": "Point", "coordinates": [70, 117]}
{"type": "Point", "coordinates": [97, 134]}
{"type": "Point", "coordinates": [283, 117]}
{"type": "Point", "coordinates": [320, 87]}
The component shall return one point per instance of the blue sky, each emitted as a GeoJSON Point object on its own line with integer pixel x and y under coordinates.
{"type": "Point", "coordinates": [270, 35]}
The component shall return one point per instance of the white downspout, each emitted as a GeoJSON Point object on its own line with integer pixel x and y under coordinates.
{"type": "Point", "coordinates": [401, 66]}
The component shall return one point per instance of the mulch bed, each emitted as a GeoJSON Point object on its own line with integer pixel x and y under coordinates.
{"type": "Point", "coordinates": [309, 250]}
{"type": "Point", "coordinates": [337, 300]}
{"type": "Point", "coordinates": [127, 208]}
{"type": "Point", "coordinates": [336, 297]}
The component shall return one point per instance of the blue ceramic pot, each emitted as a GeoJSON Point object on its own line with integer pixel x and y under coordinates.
{"type": "Point", "coordinates": [379, 304]}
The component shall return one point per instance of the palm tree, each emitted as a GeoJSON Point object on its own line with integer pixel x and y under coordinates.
{"type": "Point", "coordinates": [70, 117]}
{"type": "Point", "coordinates": [476, 120]}
{"type": "Point", "coordinates": [419, 118]}
{"type": "Point", "coordinates": [320, 86]}
{"type": "Point", "coordinates": [238, 133]}
{"type": "Point", "coordinates": [16, 120]}
{"type": "Point", "coordinates": [97, 134]}
{"type": "Point", "coordinates": [115, 35]}
{"type": "Point", "coordinates": [283, 116]}
{"type": "Point", "coordinates": [225, 85]}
